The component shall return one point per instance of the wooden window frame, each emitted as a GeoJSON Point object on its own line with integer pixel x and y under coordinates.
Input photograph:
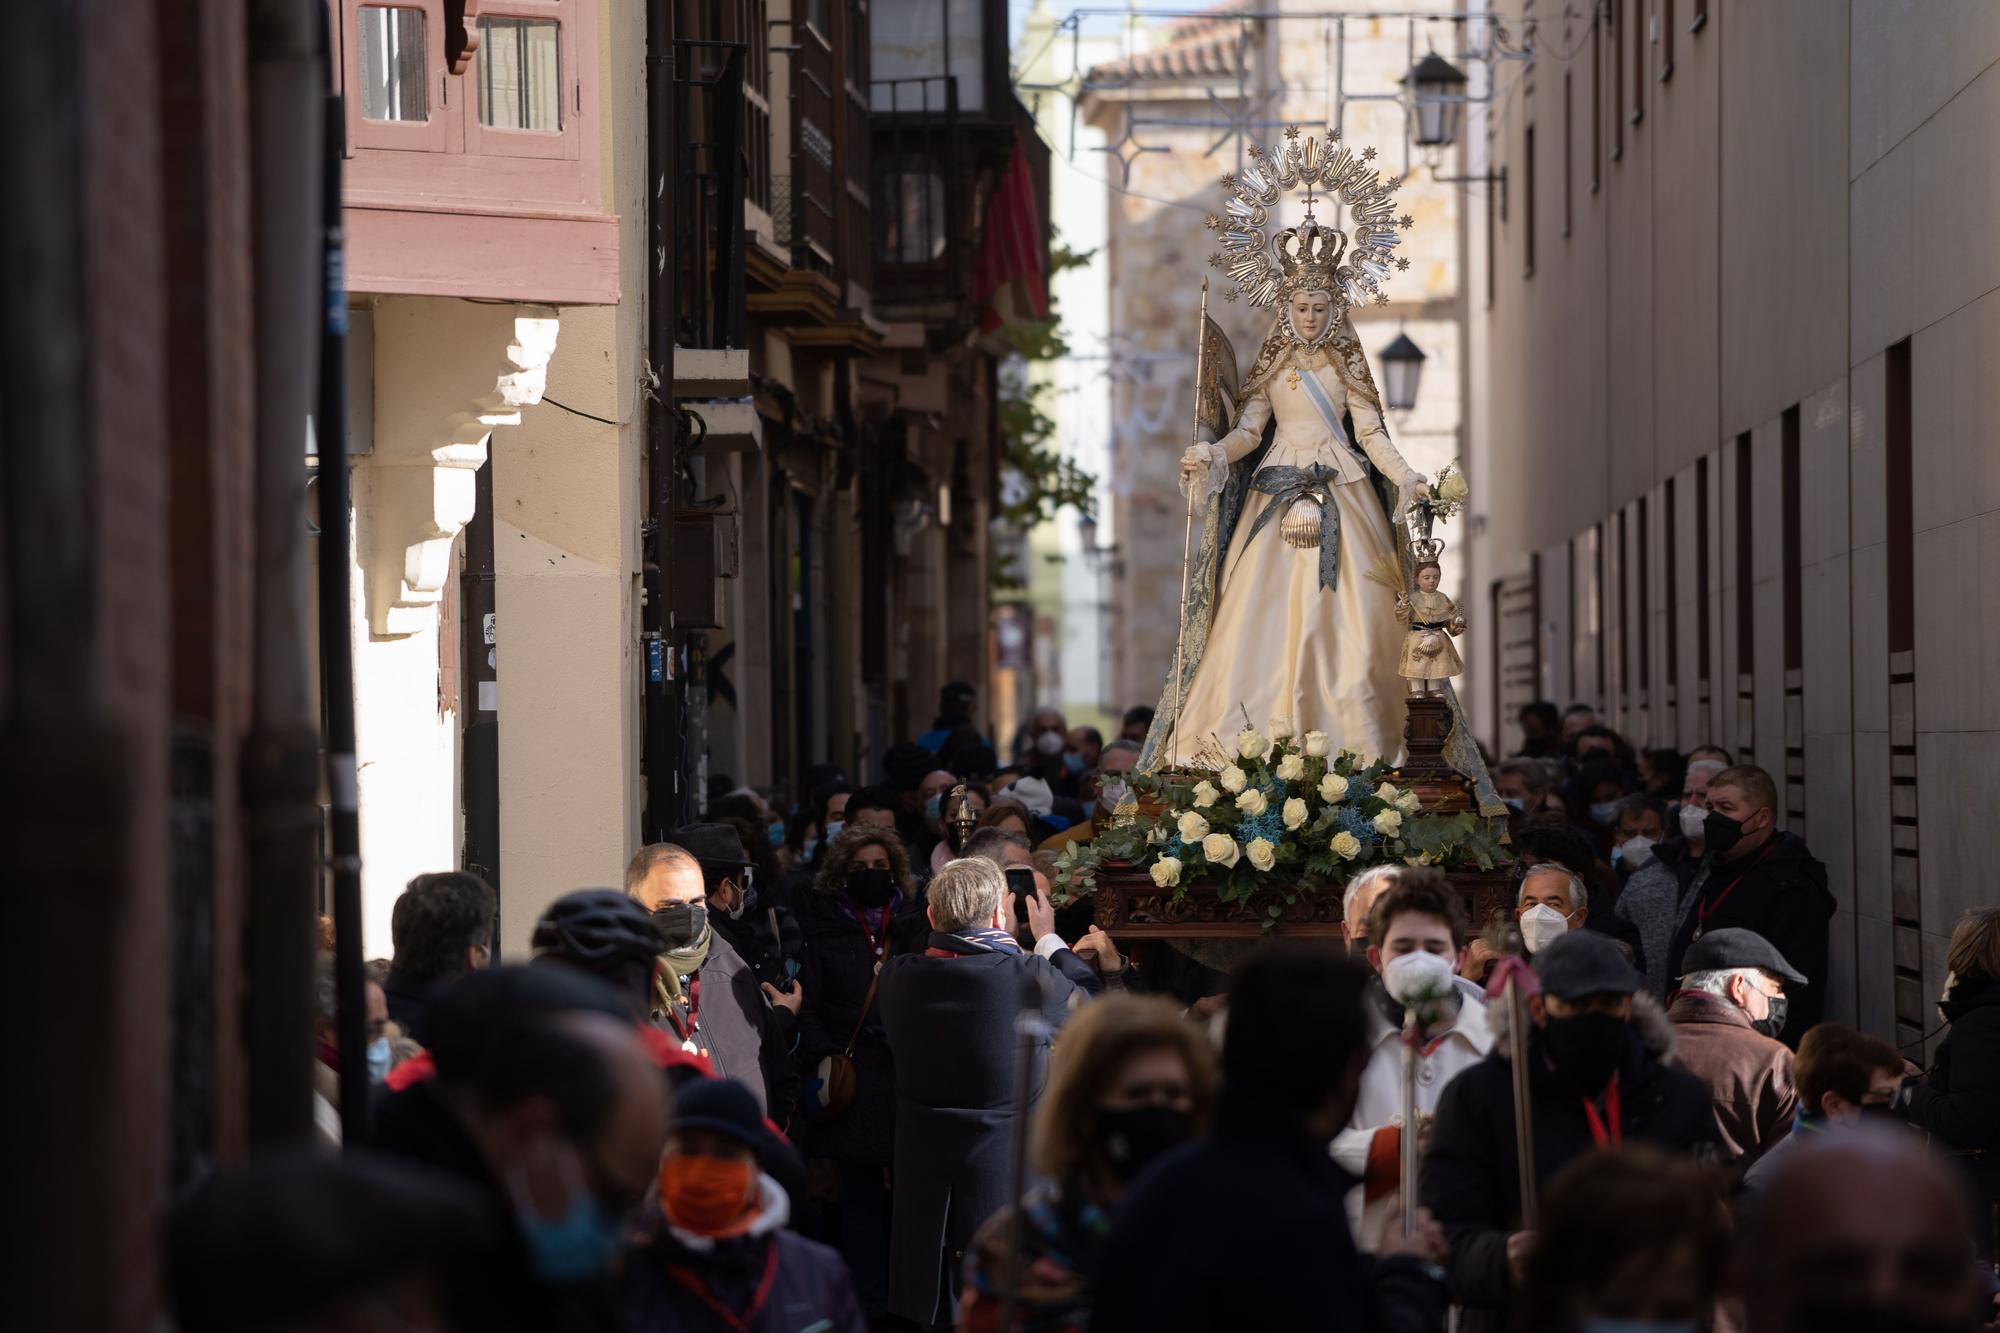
{"type": "Point", "coordinates": [1616, 56]}
{"type": "Point", "coordinates": [1638, 61]}
{"type": "Point", "coordinates": [1528, 202]}
{"type": "Point", "coordinates": [1569, 157]}
{"type": "Point", "coordinates": [1596, 108]}
{"type": "Point", "coordinates": [442, 129]}
{"type": "Point", "coordinates": [494, 141]}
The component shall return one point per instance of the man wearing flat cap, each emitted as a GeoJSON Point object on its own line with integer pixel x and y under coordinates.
{"type": "Point", "coordinates": [1727, 1016]}
{"type": "Point", "coordinates": [1599, 1076]}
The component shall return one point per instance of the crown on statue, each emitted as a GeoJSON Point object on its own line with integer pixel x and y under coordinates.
{"type": "Point", "coordinates": [1350, 265]}
{"type": "Point", "coordinates": [1426, 548]}
{"type": "Point", "coordinates": [1308, 257]}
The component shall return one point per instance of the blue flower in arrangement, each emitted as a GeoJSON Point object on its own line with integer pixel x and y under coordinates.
{"type": "Point", "coordinates": [1351, 820]}
{"type": "Point", "coordinates": [1174, 847]}
{"type": "Point", "coordinates": [1269, 825]}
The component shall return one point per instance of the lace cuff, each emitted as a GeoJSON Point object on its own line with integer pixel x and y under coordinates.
{"type": "Point", "coordinates": [1215, 460]}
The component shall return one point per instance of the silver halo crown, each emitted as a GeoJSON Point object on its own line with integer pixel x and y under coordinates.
{"type": "Point", "coordinates": [1351, 266]}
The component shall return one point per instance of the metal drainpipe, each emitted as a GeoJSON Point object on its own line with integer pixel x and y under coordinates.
{"type": "Point", "coordinates": [336, 626]}
{"type": "Point", "coordinates": [281, 759]}
{"type": "Point", "coordinates": [664, 721]}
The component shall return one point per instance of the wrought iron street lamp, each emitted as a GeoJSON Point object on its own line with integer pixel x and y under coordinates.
{"type": "Point", "coordinates": [1402, 368]}
{"type": "Point", "coordinates": [1437, 88]}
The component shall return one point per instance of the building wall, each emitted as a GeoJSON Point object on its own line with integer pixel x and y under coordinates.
{"type": "Point", "coordinates": [1807, 188]}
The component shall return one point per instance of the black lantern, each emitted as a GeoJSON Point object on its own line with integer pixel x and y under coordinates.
{"type": "Point", "coordinates": [1402, 367]}
{"type": "Point", "coordinates": [1438, 88]}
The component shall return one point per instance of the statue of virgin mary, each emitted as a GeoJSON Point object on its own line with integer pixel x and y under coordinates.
{"type": "Point", "coordinates": [1291, 604]}
{"type": "Point", "coordinates": [1306, 488]}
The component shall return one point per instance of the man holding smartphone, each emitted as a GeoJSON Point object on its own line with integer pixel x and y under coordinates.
{"type": "Point", "coordinates": [958, 1017]}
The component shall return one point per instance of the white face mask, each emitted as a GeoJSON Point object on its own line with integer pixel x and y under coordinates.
{"type": "Point", "coordinates": [1113, 793]}
{"type": "Point", "coordinates": [1540, 924]}
{"type": "Point", "coordinates": [1635, 851]}
{"type": "Point", "coordinates": [1692, 817]}
{"type": "Point", "coordinates": [1410, 977]}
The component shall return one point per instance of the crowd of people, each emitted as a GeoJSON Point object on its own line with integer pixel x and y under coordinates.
{"type": "Point", "coordinates": [837, 1060]}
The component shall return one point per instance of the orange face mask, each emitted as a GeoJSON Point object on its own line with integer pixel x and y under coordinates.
{"type": "Point", "coordinates": [709, 1196]}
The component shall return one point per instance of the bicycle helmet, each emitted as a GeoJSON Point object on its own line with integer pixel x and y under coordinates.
{"type": "Point", "coordinates": [599, 928]}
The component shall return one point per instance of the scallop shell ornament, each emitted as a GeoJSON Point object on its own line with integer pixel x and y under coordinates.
{"type": "Point", "coordinates": [1301, 524]}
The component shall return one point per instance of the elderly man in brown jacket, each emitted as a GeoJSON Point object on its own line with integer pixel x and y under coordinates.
{"type": "Point", "coordinates": [1727, 1015]}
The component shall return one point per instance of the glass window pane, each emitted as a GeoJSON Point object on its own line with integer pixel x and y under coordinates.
{"type": "Point", "coordinates": [393, 77]}
{"type": "Point", "coordinates": [519, 74]}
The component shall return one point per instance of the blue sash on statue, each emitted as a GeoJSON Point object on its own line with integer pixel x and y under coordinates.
{"type": "Point", "coordinates": [1286, 485]}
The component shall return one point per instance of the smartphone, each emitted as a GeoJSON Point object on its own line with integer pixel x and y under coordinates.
{"type": "Point", "coordinates": [1021, 882]}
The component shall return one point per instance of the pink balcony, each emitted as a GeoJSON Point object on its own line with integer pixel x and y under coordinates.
{"type": "Point", "coordinates": [473, 150]}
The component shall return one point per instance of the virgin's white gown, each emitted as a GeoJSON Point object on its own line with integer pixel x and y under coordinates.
{"type": "Point", "coordinates": [1279, 644]}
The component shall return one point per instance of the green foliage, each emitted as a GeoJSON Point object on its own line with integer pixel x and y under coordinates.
{"type": "Point", "coordinates": [1045, 481]}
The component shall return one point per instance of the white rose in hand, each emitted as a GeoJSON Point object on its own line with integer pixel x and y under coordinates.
{"type": "Point", "coordinates": [1453, 488]}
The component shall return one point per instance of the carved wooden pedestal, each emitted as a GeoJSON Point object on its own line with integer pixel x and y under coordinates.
{"type": "Point", "coordinates": [1425, 770]}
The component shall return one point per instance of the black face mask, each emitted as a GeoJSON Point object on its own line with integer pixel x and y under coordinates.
{"type": "Point", "coordinates": [1721, 833]}
{"type": "Point", "coordinates": [871, 887]}
{"type": "Point", "coordinates": [1773, 1023]}
{"type": "Point", "coordinates": [1830, 1318]}
{"type": "Point", "coordinates": [1586, 1049]}
{"type": "Point", "coordinates": [682, 923]}
{"type": "Point", "coordinates": [1131, 1138]}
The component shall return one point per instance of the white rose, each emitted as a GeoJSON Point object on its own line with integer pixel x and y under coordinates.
{"type": "Point", "coordinates": [1253, 744]}
{"type": "Point", "coordinates": [1389, 823]}
{"type": "Point", "coordinates": [1252, 803]}
{"type": "Point", "coordinates": [1234, 779]}
{"type": "Point", "coordinates": [1317, 744]}
{"type": "Point", "coordinates": [1281, 729]}
{"type": "Point", "coordinates": [1387, 792]}
{"type": "Point", "coordinates": [1332, 787]}
{"type": "Point", "coordinates": [1262, 854]}
{"type": "Point", "coordinates": [1346, 845]}
{"type": "Point", "coordinates": [1205, 794]}
{"type": "Point", "coordinates": [1193, 828]}
{"type": "Point", "coordinates": [1452, 487]}
{"type": "Point", "coordinates": [1167, 871]}
{"type": "Point", "coordinates": [1291, 768]}
{"type": "Point", "coordinates": [1221, 850]}
{"type": "Point", "coordinates": [1295, 812]}
{"type": "Point", "coordinates": [1408, 802]}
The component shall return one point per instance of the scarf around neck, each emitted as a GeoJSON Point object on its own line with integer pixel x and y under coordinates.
{"type": "Point", "coordinates": [988, 937]}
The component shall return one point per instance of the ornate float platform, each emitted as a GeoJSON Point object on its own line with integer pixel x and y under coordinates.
{"type": "Point", "coordinates": [1129, 906]}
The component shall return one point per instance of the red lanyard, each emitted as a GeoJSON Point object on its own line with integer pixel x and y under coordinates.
{"type": "Point", "coordinates": [693, 1022]}
{"type": "Point", "coordinates": [690, 1279]}
{"type": "Point", "coordinates": [1706, 907]}
{"type": "Point", "coordinates": [861, 920]}
{"type": "Point", "coordinates": [1611, 1134]}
